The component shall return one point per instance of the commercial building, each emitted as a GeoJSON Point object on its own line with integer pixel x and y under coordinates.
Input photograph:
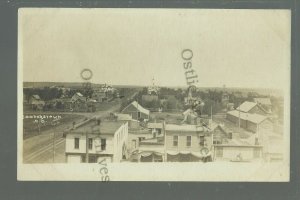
{"type": "Point", "coordinates": [238, 150]}
{"type": "Point", "coordinates": [251, 122]}
{"type": "Point", "coordinates": [187, 143]}
{"type": "Point", "coordinates": [96, 140]}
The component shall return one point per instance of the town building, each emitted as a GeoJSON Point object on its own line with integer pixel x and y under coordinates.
{"type": "Point", "coordinates": [265, 103]}
{"type": "Point", "coordinates": [187, 143]}
{"type": "Point", "coordinates": [150, 147]}
{"type": "Point", "coordinates": [151, 150]}
{"type": "Point", "coordinates": [252, 122]}
{"type": "Point", "coordinates": [220, 134]}
{"type": "Point", "coordinates": [238, 150]}
{"type": "Point", "coordinates": [96, 140]}
{"type": "Point", "coordinates": [251, 107]}
{"type": "Point", "coordinates": [156, 129]}
{"type": "Point", "coordinates": [137, 111]}
{"type": "Point", "coordinates": [137, 135]}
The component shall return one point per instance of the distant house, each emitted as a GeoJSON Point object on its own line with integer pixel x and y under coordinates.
{"type": "Point", "coordinates": [187, 143]}
{"type": "Point", "coordinates": [36, 102]}
{"type": "Point", "coordinates": [99, 96]}
{"type": "Point", "coordinates": [251, 107]}
{"type": "Point", "coordinates": [78, 97]}
{"type": "Point", "coordinates": [252, 122]}
{"type": "Point", "coordinates": [136, 111]}
{"type": "Point", "coordinates": [107, 139]}
{"type": "Point", "coordinates": [265, 103]}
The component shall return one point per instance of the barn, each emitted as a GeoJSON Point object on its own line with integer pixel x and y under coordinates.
{"type": "Point", "coordinates": [136, 111]}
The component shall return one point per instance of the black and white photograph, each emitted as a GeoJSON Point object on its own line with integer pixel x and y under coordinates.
{"type": "Point", "coordinates": [154, 94]}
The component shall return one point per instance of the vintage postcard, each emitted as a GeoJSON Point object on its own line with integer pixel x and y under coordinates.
{"type": "Point", "coordinates": [154, 94]}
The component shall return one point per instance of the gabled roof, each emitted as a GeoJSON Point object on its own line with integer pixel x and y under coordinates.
{"type": "Point", "coordinates": [121, 116]}
{"type": "Point", "coordinates": [79, 94]}
{"type": "Point", "coordinates": [138, 107]}
{"type": "Point", "coordinates": [255, 118]}
{"type": "Point", "coordinates": [263, 101]}
{"type": "Point", "coordinates": [246, 106]}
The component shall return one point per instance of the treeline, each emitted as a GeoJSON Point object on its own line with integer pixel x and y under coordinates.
{"type": "Point", "coordinates": [45, 93]}
{"type": "Point", "coordinates": [48, 93]}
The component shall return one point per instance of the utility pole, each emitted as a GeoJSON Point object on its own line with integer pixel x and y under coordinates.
{"type": "Point", "coordinates": [165, 141]}
{"type": "Point", "coordinates": [239, 117]}
{"type": "Point", "coordinates": [54, 123]}
{"type": "Point", "coordinates": [54, 144]}
{"type": "Point", "coordinates": [86, 147]}
{"type": "Point", "coordinates": [210, 125]}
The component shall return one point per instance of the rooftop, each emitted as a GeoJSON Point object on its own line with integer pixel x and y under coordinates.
{"type": "Point", "coordinates": [121, 116]}
{"type": "Point", "coordinates": [139, 107]}
{"type": "Point", "coordinates": [263, 101]}
{"type": "Point", "coordinates": [185, 127]}
{"type": "Point", "coordinates": [155, 125]}
{"type": "Point", "coordinates": [246, 106]}
{"type": "Point", "coordinates": [79, 94]}
{"type": "Point", "coordinates": [105, 127]}
{"type": "Point", "coordinates": [255, 118]}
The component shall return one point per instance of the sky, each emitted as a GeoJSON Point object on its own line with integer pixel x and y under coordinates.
{"type": "Point", "coordinates": [236, 48]}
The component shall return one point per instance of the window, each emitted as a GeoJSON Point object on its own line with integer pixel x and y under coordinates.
{"type": "Point", "coordinates": [92, 159]}
{"type": "Point", "coordinates": [188, 141]}
{"type": "Point", "coordinates": [141, 138]}
{"type": "Point", "coordinates": [90, 143]}
{"type": "Point", "coordinates": [217, 142]}
{"type": "Point", "coordinates": [201, 140]}
{"type": "Point", "coordinates": [76, 143]}
{"type": "Point", "coordinates": [139, 114]}
{"type": "Point", "coordinates": [219, 152]}
{"type": "Point", "coordinates": [175, 140]}
{"type": "Point", "coordinates": [103, 144]}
